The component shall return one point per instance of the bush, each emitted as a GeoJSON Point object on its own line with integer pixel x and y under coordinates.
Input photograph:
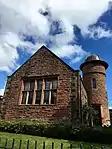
{"type": "Point", "coordinates": [58, 130]}
{"type": "Point", "coordinates": [55, 130]}
{"type": "Point", "coordinates": [94, 134]}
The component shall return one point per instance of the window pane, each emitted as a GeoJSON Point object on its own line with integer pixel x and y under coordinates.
{"type": "Point", "coordinates": [54, 84]}
{"type": "Point", "coordinates": [47, 84]}
{"type": "Point", "coordinates": [32, 83]}
{"type": "Point", "coordinates": [30, 98]}
{"type": "Point", "coordinates": [53, 97]}
{"type": "Point", "coordinates": [38, 97]}
{"type": "Point", "coordinates": [46, 97]}
{"type": "Point", "coordinates": [39, 84]}
{"type": "Point", "coordinates": [94, 82]}
{"type": "Point", "coordinates": [24, 96]}
{"type": "Point", "coordinates": [25, 85]}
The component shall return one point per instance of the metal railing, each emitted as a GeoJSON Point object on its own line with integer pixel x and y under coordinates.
{"type": "Point", "coordinates": [5, 146]}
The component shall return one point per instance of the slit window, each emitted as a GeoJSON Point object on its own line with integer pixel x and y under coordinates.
{"type": "Point", "coordinates": [94, 83]}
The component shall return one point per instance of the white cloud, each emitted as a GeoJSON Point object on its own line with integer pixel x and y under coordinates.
{"type": "Point", "coordinates": [64, 51]}
{"type": "Point", "coordinates": [66, 36]}
{"type": "Point", "coordinates": [1, 91]}
{"type": "Point", "coordinates": [75, 53]}
{"type": "Point", "coordinates": [23, 17]}
{"type": "Point", "coordinates": [110, 107]}
{"type": "Point", "coordinates": [82, 13]}
{"type": "Point", "coordinates": [77, 59]}
{"type": "Point", "coordinates": [13, 23]}
{"type": "Point", "coordinates": [97, 33]}
{"type": "Point", "coordinates": [8, 52]}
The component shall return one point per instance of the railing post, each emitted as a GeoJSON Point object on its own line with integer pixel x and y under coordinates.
{"type": "Point", "coordinates": [13, 144]}
{"type": "Point", "coordinates": [20, 143]}
{"type": "Point", "coordinates": [102, 147]}
{"type": "Point", "coordinates": [5, 147]}
{"type": "Point", "coordinates": [91, 146]}
{"type": "Point", "coordinates": [35, 144]}
{"type": "Point", "coordinates": [28, 144]}
{"type": "Point", "coordinates": [61, 145]}
{"type": "Point", "coordinates": [81, 146]}
{"type": "Point", "coordinates": [70, 146]}
{"type": "Point", "coordinates": [43, 145]}
{"type": "Point", "coordinates": [52, 145]}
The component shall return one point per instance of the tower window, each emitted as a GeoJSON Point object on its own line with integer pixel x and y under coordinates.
{"type": "Point", "coordinates": [94, 83]}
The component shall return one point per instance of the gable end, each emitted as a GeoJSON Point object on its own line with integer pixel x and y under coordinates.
{"type": "Point", "coordinates": [44, 47]}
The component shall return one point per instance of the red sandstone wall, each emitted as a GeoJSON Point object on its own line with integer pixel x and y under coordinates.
{"type": "Point", "coordinates": [84, 97]}
{"type": "Point", "coordinates": [98, 95]}
{"type": "Point", "coordinates": [42, 63]}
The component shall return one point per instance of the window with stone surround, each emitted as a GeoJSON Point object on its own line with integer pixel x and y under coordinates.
{"type": "Point", "coordinates": [39, 91]}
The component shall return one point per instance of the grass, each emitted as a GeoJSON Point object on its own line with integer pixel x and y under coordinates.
{"type": "Point", "coordinates": [40, 140]}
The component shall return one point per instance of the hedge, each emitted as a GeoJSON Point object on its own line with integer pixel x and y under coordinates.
{"type": "Point", "coordinates": [58, 130]}
{"type": "Point", "coordinates": [46, 129]}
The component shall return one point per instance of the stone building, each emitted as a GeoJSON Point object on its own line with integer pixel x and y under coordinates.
{"type": "Point", "coordinates": [46, 88]}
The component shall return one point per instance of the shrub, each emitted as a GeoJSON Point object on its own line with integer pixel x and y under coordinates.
{"type": "Point", "coordinates": [55, 130]}
{"type": "Point", "coordinates": [94, 134]}
{"type": "Point", "coordinates": [58, 130]}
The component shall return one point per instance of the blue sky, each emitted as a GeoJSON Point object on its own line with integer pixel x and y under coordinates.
{"type": "Point", "coordinates": [72, 30]}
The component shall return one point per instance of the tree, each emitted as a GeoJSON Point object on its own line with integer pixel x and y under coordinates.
{"type": "Point", "coordinates": [89, 114]}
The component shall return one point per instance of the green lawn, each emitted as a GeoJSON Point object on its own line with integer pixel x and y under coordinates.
{"type": "Point", "coordinates": [40, 140]}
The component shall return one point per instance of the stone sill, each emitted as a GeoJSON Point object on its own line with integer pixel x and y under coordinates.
{"type": "Point", "coordinates": [37, 104]}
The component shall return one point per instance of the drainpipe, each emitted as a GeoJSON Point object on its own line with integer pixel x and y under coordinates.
{"type": "Point", "coordinates": [78, 96]}
{"type": "Point", "coordinates": [81, 116]}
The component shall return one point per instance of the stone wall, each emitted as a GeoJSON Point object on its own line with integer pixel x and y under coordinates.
{"type": "Point", "coordinates": [84, 97]}
{"type": "Point", "coordinates": [83, 100]}
{"type": "Point", "coordinates": [79, 102]}
{"type": "Point", "coordinates": [97, 95]}
{"type": "Point", "coordinates": [43, 63]}
{"type": "Point", "coordinates": [1, 106]}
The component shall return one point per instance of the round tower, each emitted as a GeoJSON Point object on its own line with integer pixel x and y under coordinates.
{"type": "Point", "coordinates": [94, 78]}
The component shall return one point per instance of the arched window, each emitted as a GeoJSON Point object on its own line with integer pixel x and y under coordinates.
{"type": "Point", "coordinates": [94, 83]}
